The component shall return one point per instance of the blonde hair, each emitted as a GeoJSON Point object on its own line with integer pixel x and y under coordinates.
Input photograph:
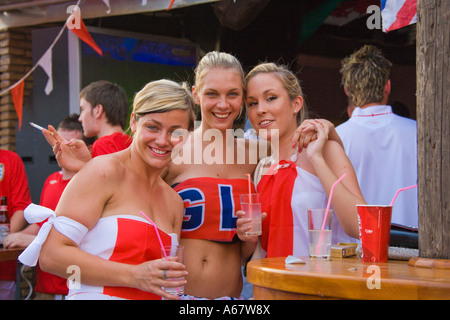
{"type": "Point", "coordinates": [215, 59]}
{"type": "Point", "coordinates": [364, 75]}
{"type": "Point", "coordinates": [163, 96]}
{"type": "Point", "coordinates": [287, 78]}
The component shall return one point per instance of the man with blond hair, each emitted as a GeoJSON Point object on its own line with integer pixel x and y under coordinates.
{"type": "Point", "coordinates": [381, 145]}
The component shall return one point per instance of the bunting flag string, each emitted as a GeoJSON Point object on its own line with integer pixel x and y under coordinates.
{"type": "Point", "coordinates": [170, 5]}
{"type": "Point", "coordinates": [5, 91]}
{"type": "Point", "coordinates": [45, 62]}
{"type": "Point", "coordinates": [84, 35]}
{"type": "Point", "coordinates": [17, 89]}
{"type": "Point", "coordinates": [106, 2]}
{"type": "Point", "coordinates": [17, 97]}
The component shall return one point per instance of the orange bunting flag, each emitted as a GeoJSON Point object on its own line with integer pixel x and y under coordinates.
{"type": "Point", "coordinates": [170, 5]}
{"type": "Point", "coordinates": [82, 33]}
{"type": "Point", "coordinates": [17, 96]}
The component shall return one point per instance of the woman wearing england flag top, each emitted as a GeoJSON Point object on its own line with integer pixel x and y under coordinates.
{"type": "Point", "coordinates": [293, 182]}
{"type": "Point", "coordinates": [98, 226]}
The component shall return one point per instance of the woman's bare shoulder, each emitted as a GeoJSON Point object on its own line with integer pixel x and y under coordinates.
{"type": "Point", "coordinates": [103, 168]}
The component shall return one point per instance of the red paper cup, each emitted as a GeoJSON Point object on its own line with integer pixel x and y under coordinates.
{"type": "Point", "coordinates": [374, 232]}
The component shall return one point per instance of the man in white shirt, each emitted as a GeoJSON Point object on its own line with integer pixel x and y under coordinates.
{"type": "Point", "coordinates": [381, 145]}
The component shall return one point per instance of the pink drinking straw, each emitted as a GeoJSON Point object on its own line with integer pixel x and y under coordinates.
{"type": "Point", "coordinates": [327, 211]}
{"type": "Point", "coordinates": [310, 218]}
{"type": "Point", "coordinates": [249, 193]}
{"type": "Point", "coordinates": [157, 234]}
{"type": "Point", "coordinates": [329, 199]}
{"type": "Point", "coordinates": [400, 190]}
{"type": "Point", "coordinates": [249, 186]}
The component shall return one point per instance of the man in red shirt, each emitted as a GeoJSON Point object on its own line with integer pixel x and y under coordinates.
{"type": "Point", "coordinates": [13, 185]}
{"type": "Point", "coordinates": [103, 114]}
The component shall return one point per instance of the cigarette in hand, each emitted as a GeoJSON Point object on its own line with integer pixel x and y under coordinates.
{"type": "Point", "coordinates": [39, 127]}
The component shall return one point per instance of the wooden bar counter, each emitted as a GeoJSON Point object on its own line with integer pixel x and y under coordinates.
{"type": "Point", "coordinates": [345, 278]}
{"type": "Point", "coordinates": [10, 254]}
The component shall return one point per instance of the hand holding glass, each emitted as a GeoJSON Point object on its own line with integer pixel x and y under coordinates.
{"type": "Point", "coordinates": [178, 252]}
{"type": "Point", "coordinates": [251, 205]}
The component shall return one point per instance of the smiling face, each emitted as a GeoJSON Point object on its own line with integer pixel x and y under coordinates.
{"type": "Point", "coordinates": [156, 134]}
{"type": "Point", "coordinates": [270, 107]}
{"type": "Point", "coordinates": [220, 96]}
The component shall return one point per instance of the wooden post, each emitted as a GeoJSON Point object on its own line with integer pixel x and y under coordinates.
{"type": "Point", "coordinates": [433, 127]}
